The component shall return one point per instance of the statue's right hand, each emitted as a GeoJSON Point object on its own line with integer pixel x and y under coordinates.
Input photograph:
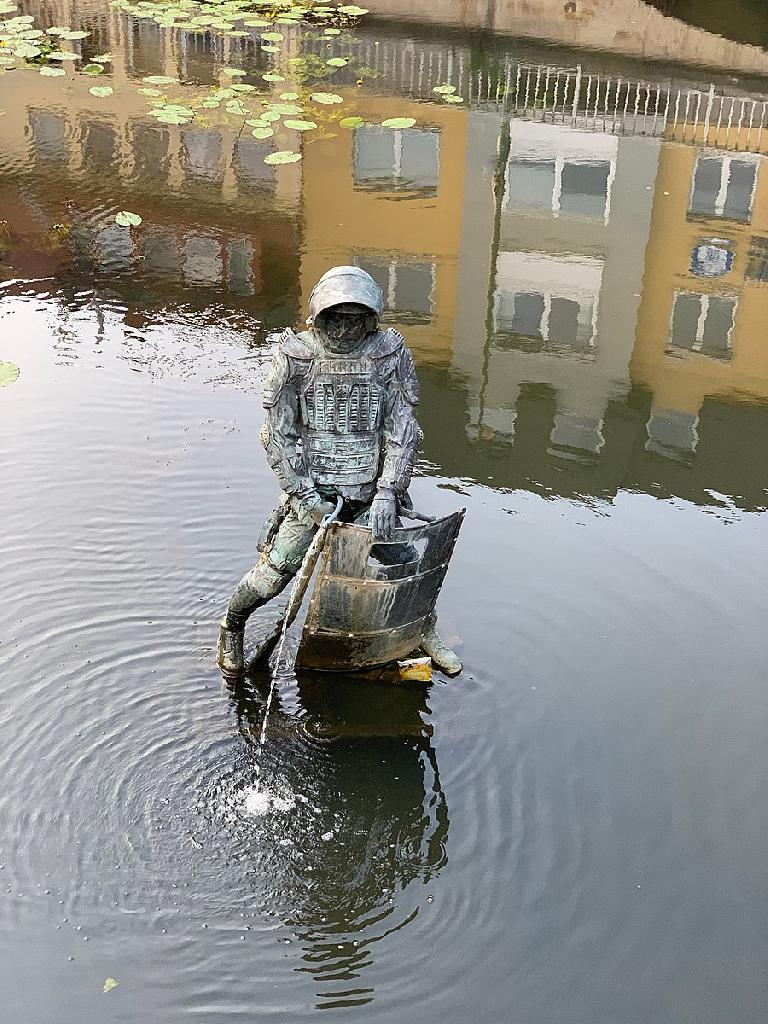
{"type": "Point", "coordinates": [314, 509]}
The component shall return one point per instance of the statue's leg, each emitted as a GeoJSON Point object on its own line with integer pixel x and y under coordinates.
{"type": "Point", "coordinates": [270, 576]}
{"type": "Point", "coordinates": [441, 654]}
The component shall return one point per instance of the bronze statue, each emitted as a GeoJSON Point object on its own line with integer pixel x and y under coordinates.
{"type": "Point", "coordinates": [340, 400]}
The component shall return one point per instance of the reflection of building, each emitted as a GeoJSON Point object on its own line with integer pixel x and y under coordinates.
{"type": "Point", "coordinates": [559, 293]}
{"type": "Point", "coordinates": [390, 201]}
{"type": "Point", "coordinates": [702, 324]}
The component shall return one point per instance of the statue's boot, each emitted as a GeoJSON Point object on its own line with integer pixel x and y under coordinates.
{"type": "Point", "coordinates": [441, 654]}
{"type": "Point", "coordinates": [256, 588]}
{"type": "Point", "coordinates": [230, 653]}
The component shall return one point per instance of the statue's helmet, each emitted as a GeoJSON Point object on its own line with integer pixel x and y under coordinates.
{"type": "Point", "coordinates": [346, 284]}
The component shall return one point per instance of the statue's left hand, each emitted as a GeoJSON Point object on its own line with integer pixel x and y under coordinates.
{"type": "Point", "coordinates": [383, 514]}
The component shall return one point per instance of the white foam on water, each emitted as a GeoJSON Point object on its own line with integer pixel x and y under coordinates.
{"type": "Point", "coordinates": [258, 802]}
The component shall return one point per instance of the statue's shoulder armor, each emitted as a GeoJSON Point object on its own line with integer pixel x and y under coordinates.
{"type": "Point", "coordinates": [384, 343]}
{"type": "Point", "coordinates": [292, 358]}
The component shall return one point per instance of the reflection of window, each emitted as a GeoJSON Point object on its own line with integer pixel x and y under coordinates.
{"type": "Point", "coordinates": [203, 263]}
{"type": "Point", "coordinates": [547, 302]}
{"type": "Point", "coordinates": [49, 135]}
{"type": "Point", "coordinates": [239, 268]}
{"type": "Point", "coordinates": [552, 167]}
{"type": "Point", "coordinates": [249, 162]}
{"type": "Point", "coordinates": [672, 434]}
{"type": "Point", "coordinates": [703, 323]}
{"type": "Point", "coordinates": [757, 260]}
{"type": "Point", "coordinates": [407, 285]}
{"type": "Point", "coordinates": [99, 145]}
{"type": "Point", "coordinates": [150, 147]}
{"type": "Point", "coordinates": [551, 319]}
{"type": "Point", "coordinates": [160, 250]}
{"type": "Point", "coordinates": [203, 153]}
{"type": "Point", "coordinates": [407, 158]}
{"type": "Point", "coordinates": [723, 187]}
{"type": "Point", "coordinates": [147, 54]}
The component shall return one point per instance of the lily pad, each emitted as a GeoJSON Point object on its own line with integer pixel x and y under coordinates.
{"type": "Point", "coordinates": [9, 372]}
{"type": "Point", "coordinates": [93, 69]}
{"type": "Point", "coordinates": [399, 122]}
{"type": "Point", "coordinates": [159, 80]}
{"type": "Point", "coordinates": [453, 99]}
{"type": "Point", "coordinates": [300, 126]}
{"type": "Point", "coordinates": [150, 92]}
{"type": "Point", "coordinates": [109, 984]}
{"type": "Point", "coordinates": [327, 97]}
{"type": "Point", "coordinates": [271, 77]}
{"type": "Point", "coordinates": [52, 72]}
{"type": "Point", "coordinates": [74, 35]}
{"type": "Point", "coordinates": [262, 132]}
{"type": "Point", "coordinates": [337, 62]}
{"type": "Point", "coordinates": [63, 55]}
{"type": "Point", "coordinates": [447, 89]}
{"type": "Point", "coordinates": [126, 219]}
{"type": "Point", "coordinates": [103, 58]}
{"type": "Point", "coordinates": [101, 90]}
{"type": "Point", "coordinates": [272, 37]}
{"type": "Point", "coordinates": [353, 10]}
{"type": "Point", "coordinates": [332, 32]}
{"type": "Point", "coordinates": [232, 72]}
{"type": "Point", "coordinates": [57, 30]}
{"type": "Point", "coordinates": [269, 48]}
{"type": "Point", "coordinates": [25, 51]}
{"type": "Point", "coordinates": [351, 122]}
{"type": "Point", "coordinates": [289, 95]}
{"type": "Point", "coordinates": [283, 156]}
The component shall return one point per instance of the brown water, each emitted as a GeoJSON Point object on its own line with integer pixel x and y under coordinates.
{"type": "Point", "coordinates": [574, 829]}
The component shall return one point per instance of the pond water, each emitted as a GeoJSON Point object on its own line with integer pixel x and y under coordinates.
{"type": "Point", "coordinates": [573, 830]}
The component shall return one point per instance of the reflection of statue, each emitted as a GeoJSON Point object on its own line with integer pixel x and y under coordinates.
{"type": "Point", "coordinates": [340, 402]}
{"type": "Point", "coordinates": [359, 816]}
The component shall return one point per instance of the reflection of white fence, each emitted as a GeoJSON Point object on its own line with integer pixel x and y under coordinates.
{"type": "Point", "coordinates": [565, 95]}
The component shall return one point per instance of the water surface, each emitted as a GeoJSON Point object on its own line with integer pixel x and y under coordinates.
{"type": "Point", "coordinates": [571, 831]}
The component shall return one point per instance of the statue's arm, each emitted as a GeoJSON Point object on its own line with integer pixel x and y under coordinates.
{"type": "Point", "coordinates": [402, 433]}
{"type": "Point", "coordinates": [281, 431]}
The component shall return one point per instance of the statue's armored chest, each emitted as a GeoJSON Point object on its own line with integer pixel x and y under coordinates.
{"type": "Point", "coordinates": [342, 396]}
{"type": "Point", "coordinates": [342, 411]}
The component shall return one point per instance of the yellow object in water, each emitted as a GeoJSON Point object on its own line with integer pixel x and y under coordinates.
{"type": "Point", "coordinates": [416, 669]}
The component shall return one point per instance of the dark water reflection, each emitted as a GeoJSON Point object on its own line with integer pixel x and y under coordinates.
{"type": "Point", "coordinates": [586, 298]}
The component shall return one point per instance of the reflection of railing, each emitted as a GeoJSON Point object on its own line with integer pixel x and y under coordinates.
{"type": "Point", "coordinates": [566, 95]}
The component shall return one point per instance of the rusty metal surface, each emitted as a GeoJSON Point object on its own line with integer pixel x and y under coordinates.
{"type": "Point", "coordinates": [371, 601]}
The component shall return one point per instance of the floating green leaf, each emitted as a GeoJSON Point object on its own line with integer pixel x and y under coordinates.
{"type": "Point", "coordinates": [273, 78]}
{"type": "Point", "coordinates": [351, 122]}
{"type": "Point", "coordinates": [399, 122]}
{"type": "Point", "coordinates": [327, 97]}
{"type": "Point", "coordinates": [93, 69]}
{"type": "Point", "coordinates": [233, 72]}
{"type": "Point", "coordinates": [52, 72]}
{"type": "Point", "coordinates": [300, 126]}
{"type": "Point", "coordinates": [101, 90]}
{"type": "Point", "coordinates": [57, 30]}
{"type": "Point", "coordinates": [159, 80]}
{"type": "Point", "coordinates": [74, 35]}
{"type": "Point", "coordinates": [453, 99]}
{"type": "Point", "coordinates": [272, 37]}
{"type": "Point", "coordinates": [109, 984]}
{"type": "Point", "coordinates": [353, 10]}
{"type": "Point", "coordinates": [63, 55]}
{"type": "Point", "coordinates": [262, 133]}
{"type": "Point", "coordinates": [289, 95]}
{"type": "Point", "coordinates": [25, 51]}
{"type": "Point", "coordinates": [126, 219]}
{"type": "Point", "coordinates": [447, 89]}
{"type": "Point", "coordinates": [243, 87]}
{"type": "Point", "coordinates": [332, 32]}
{"type": "Point", "coordinates": [269, 48]}
{"type": "Point", "coordinates": [103, 58]}
{"type": "Point", "coordinates": [284, 156]}
{"type": "Point", "coordinates": [150, 92]}
{"type": "Point", "coordinates": [256, 23]}
{"type": "Point", "coordinates": [9, 372]}
{"type": "Point", "coordinates": [337, 62]}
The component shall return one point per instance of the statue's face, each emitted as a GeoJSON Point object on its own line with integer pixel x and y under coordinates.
{"type": "Point", "coordinates": [345, 326]}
